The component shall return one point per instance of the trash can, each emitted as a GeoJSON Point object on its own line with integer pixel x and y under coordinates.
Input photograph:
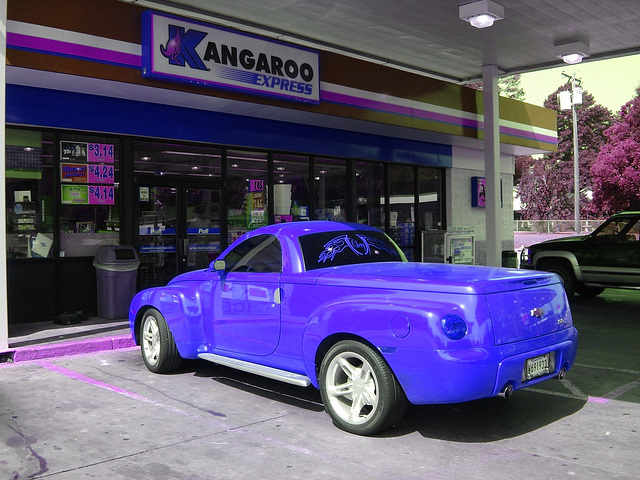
{"type": "Point", "coordinates": [509, 259]}
{"type": "Point", "coordinates": [117, 274]}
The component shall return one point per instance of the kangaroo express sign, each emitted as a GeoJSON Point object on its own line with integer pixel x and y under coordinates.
{"type": "Point", "coordinates": [183, 50]}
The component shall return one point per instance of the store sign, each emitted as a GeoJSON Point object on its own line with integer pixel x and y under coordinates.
{"type": "Point", "coordinates": [87, 152]}
{"type": "Point", "coordinates": [478, 193]}
{"type": "Point", "coordinates": [88, 195]}
{"type": "Point", "coordinates": [83, 173]}
{"type": "Point", "coordinates": [87, 163]}
{"type": "Point", "coordinates": [157, 248]}
{"type": "Point", "coordinates": [178, 49]}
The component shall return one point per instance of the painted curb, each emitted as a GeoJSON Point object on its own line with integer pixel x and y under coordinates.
{"type": "Point", "coordinates": [38, 352]}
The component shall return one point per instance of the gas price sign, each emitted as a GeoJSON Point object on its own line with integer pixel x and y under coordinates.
{"type": "Point", "coordinates": [88, 195]}
{"type": "Point", "coordinates": [99, 152]}
{"type": "Point", "coordinates": [101, 174]}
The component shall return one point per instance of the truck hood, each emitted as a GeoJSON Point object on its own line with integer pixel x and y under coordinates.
{"type": "Point", "coordinates": [574, 238]}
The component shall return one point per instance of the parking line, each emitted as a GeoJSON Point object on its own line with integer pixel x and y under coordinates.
{"type": "Point", "coordinates": [616, 393]}
{"type": "Point", "coordinates": [621, 370]}
{"type": "Point", "coordinates": [97, 383]}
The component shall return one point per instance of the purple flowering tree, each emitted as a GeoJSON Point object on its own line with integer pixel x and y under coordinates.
{"type": "Point", "coordinates": [616, 172]}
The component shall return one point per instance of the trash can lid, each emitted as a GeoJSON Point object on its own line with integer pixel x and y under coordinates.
{"type": "Point", "coordinates": [116, 255]}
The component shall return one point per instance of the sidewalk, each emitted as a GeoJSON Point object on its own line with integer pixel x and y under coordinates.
{"type": "Point", "coordinates": [37, 340]}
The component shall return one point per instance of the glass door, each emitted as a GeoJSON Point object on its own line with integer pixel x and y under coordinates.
{"type": "Point", "coordinates": [201, 245]}
{"type": "Point", "coordinates": [178, 229]}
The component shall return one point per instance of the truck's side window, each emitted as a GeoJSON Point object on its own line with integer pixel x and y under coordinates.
{"type": "Point", "coordinates": [261, 254]}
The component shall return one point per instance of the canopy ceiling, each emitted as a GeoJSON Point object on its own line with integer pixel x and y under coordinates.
{"type": "Point", "coordinates": [428, 36]}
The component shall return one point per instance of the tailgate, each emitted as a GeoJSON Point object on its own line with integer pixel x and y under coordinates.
{"type": "Point", "coordinates": [527, 313]}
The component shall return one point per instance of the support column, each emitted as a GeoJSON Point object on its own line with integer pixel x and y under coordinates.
{"type": "Point", "coordinates": [4, 320]}
{"type": "Point", "coordinates": [492, 164]}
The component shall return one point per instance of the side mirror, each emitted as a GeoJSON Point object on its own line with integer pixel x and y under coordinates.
{"type": "Point", "coordinates": [219, 265]}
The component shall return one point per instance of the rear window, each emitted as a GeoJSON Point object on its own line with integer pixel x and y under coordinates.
{"type": "Point", "coordinates": [330, 249]}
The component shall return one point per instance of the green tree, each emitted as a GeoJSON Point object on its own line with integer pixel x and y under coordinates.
{"type": "Point", "coordinates": [509, 86]}
{"type": "Point", "coordinates": [546, 185]}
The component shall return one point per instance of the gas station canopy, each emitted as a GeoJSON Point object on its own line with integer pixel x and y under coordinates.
{"type": "Point", "coordinates": [430, 36]}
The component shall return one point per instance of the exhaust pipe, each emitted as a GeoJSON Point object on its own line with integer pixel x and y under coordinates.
{"type": "Point", "coordinates": [506, 392]}
{"type": "Point", "coordinates": [562, 373]}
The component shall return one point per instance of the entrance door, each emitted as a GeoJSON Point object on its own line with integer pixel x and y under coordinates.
{"type": "Point", "coordinates": [178, 229]}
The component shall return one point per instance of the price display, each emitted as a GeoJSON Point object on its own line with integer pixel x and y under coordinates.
{"type": "Point", "coordinates": [99, 152]}
{"type": "Point", "coordinates": [101, 174]}
{"type": "Point", "coordinates": [101, 195]}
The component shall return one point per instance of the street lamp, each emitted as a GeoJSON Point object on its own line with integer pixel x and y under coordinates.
{"type": "Point", "coordinates": [569, 100]}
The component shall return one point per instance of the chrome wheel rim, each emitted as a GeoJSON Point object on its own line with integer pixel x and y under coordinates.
{"type": "Point", "coordinates": [151, 340]}
{"type": "Point", "coordinates": [352, 388]}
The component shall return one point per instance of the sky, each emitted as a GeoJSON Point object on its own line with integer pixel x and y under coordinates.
{"type": "Point", "coordinates": [612, 82]}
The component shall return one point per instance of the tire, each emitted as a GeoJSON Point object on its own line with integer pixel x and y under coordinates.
{"type": "Point", "coordinates": [568, 279]}
{"type": "Point", "coordinates": [359, 391]}
{"type": "Point", "coordinates": [158, 348]}
{"type": "Point", "coordinates": [589, 291]}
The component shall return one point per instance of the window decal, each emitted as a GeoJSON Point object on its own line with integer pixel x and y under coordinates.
{"type": "Point", "coordinates": [367, 246]}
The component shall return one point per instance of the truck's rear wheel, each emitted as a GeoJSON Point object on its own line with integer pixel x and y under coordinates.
{"type": "Point", "coordinates": [359, 390]}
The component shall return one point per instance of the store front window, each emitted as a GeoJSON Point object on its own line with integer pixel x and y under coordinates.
{"type": "Point", "coordinates": [330, 178]}
{"type": "Point", "coordinates": [178, 208]}
{"type": "Point", "coordinates": [89, 194]}
{"type": "Point", "coordinates": [430, 202]}
{"type": "Point", "coordinates": [177, 160]}
{"type": "Point", "coordinates": [246, 190]}
{"type": "Point", "coordinates": [29, 172]}
{"type": "Point", "coordinates": [291, 188]}
{"type": "Point", "coordinates": [402, 208]}
{"type": "Point", "coordinates": [370, 194]}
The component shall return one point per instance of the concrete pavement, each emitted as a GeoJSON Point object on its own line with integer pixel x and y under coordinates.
{"type": "Point", "coordinates": [103, 415]}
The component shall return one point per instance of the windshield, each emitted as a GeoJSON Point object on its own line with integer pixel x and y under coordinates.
{"type": "Point", "coordinates": [330, 249]}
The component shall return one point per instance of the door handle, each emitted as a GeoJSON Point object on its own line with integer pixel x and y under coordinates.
{"type": "Point", "coordinates": [183, 247]}
{"type": "Point", "coordinates": [277, 296]}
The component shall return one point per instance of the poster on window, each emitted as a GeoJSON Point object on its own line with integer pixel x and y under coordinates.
{"type": "Point", "coordinates": [73, 173]}
{"type": "Point", "coordinates": [478, 193]}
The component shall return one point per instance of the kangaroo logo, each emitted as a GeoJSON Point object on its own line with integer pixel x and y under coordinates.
{"type": "Point", "coordinates": [180, 49]}
{"type": "Point", "coordinates": [172, 50]}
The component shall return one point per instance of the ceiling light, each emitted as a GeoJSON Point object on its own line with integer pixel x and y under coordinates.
{"type": "Point", "coordinates": [482, 13]}
{"type": "Point", "coordinates": [573, 52]}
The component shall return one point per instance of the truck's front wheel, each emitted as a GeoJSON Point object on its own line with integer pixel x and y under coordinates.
{"type": "Point", "coordinates": [568, 279]}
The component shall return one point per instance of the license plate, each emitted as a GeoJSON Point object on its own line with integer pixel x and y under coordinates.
{"type": "Point", "coordinates": [537, 366]}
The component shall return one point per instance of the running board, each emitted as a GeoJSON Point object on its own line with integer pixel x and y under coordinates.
{"type": "Point", "coordinates": [263, 371]}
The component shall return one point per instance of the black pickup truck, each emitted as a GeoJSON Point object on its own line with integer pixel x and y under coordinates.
{"type": "Point", "coordinates": [607, 258]}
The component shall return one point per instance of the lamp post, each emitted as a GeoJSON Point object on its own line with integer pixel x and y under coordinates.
{"type": "Point", "coordinates": [570, 100]}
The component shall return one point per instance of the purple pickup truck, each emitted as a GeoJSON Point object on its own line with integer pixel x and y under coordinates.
{"type": "Point", "coordinates": [337, 306]}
